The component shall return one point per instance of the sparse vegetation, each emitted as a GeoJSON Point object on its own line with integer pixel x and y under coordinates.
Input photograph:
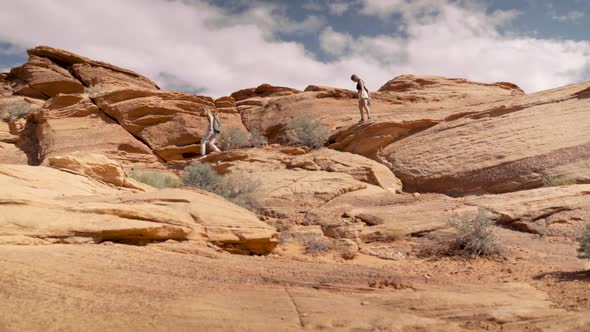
{"type": "Point", "coordinates": [308, 132]}
{"type": "Point", "coordinates": [316, 246]}
{"type": "Point", "coordinates": [16, 110]}
{"type": "Point", "coordinates": [237, 188]}
{"type": "Point", "coordinates": [201, 176]}
{"type": "Point", "coordinates": [237, 138]}
{"type": "Point", "coordinates": [154, 179]}
{"type": "Point", "coordinates": [475, 236]}
{"type": "Point", "coordinates": [585, 243]}
{"type": "Point", "coordinates": [556, 181]}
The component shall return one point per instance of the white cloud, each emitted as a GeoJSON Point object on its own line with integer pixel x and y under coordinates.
{"type": "Point", "coordinates": [335, 43]}
{"type": "Point", "coordinates": [381, 8]}
{"type": "Point", "coordinates": [313, 6]}
{"type": "Point", "coordinates": [339, 7]}
{"type": "Point", "coordinates": [197, 45]}
{"type": "Point", "coordinates": [572, 16]}
{"type": "Point", "coordinates": [270, 19]}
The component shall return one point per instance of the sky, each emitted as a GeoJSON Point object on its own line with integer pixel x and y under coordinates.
{"type": "Point", "coordinates": [215, 47]}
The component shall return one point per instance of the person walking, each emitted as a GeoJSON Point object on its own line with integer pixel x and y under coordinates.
{"type": "Point", "coordinates": [213, 129]}
{"type": "Point", "coordinates": [364, 98]}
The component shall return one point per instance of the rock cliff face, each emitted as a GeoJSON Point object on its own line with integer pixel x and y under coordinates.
{"type": "Point", "coordinates": [74, 132]}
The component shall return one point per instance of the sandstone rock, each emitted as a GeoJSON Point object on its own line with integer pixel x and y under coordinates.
{"type": "Point", "coordinates": [43, 206]}
{"type": "Point", "coordinates": [170, 123]}
{"type": "Point", "coordinates": [383, 252]}
{"type": "Point", "coordinates": [95, 166]}
{"type": "Point", "coordinates": [500, 147]}
{"type": "Point", "coordinates": [5, 86]}
{"type": "Point", "coordinates": [360, 168]}
{"type": "Point", "coordinates": [554, 211]}
{"type": "Point", "coordinates": [93, 72]}
{"type": "Point", "coordinates": [5, 135]}
{"type": "Point", "coordinates": [345, 248]}
{"type": "Point", "coordinates": [336, 109]}
{"type": "Point", "coordinates": [45, 78]}
{"type": "Point", "coordinates": [10, 154]}
{"type": "Point", "coordinates": [264, 90]}
{"type": "Point", "coordinates": [73, 123]}
{"type": "Point", "coordinates": [401, 214]}
{"type": "Point", "coordinates": [226, 105]}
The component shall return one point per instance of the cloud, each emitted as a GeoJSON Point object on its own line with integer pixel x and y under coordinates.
{"type": "Point", "coordinates": [339, 7]}
{"type": "Point", "coordinates": [312, 6]}
{"type": "Point", "coordinates": [572, 16]}
{"type": "Point", "coordinates": [382, 8]}
{"type": "Point", "coordinates": [195, 46]}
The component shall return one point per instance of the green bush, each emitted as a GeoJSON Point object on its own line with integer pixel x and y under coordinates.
{"type": "Point", "coordinates": [237, 188]}
{"type": "Point", "coordinates": [234, 138]}
{"type": "Point", "coordinates": [201, 176]}
{"type": "Point", "coordinates": [257, 139]}
{"type": "Point", "coordinates": [475, 236]}
{"type": "Point", "coordinates": [16, 110]}
{"type": "Point", "coordinates": [316, 246]}
{"type": "Point", "coordinates": [556, 181]}
{"type": "Point", "coordinates": [308, 132]}
{"type": "Point", "coordinates": [585, 243]}
{"type": "Point", "coordinates": [154, 179]}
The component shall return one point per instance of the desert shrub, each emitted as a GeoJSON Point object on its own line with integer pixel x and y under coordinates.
{"type": "Point", "coordinates": [16, 110]}
{"type": "Point", "coordinates": [234, 138]}
{"type": "Point", "coordinates": [240, 190]}
{"type": "Point", "coordinates": [236, 188]}
{"type": "Point", "coordinates": [201, 176]}
{"type": "Point", "coordinates": [474, 235]}
{"type": "Point", "coordinates": [556, 181]}
{"type": "Point", "coordinates": [585, 243]}
{"type": "Point", "coordinates": [308, 132]}
{"type": "Point", "coordinates": [316, 246]}
{"type": "Point", "coordinates": [257, 139]}
{"type": "Point", "coordinates": [154, 179]}
{"type": "Point", "coordinates": [237, 138]}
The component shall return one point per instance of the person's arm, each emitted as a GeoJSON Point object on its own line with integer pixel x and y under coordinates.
{"type": "Point", "coordinates": [210, 119]}
{"type": "Point", "coordinates": [362, 83]}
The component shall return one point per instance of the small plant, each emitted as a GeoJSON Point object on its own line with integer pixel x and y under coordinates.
{"type": "Point", "coordinates": [237, 138]}
{"type": "Point", "coordinates": [316, 246]}
{"type": "Point", "coordinates": [585, 243]}
{"type": "Point", "coordinates": [240, 190]}
{"type": "Point", "coordinates": [308, 132]}
{"type": "Point", "coordinates": [154, 179]}
{"type": "Point", "coordinates": [257, 139]}
{"type": "Point", "coordinates": [556, 181]}
{"type": "Point", "coordinates": [475, 236]}
{"type": "Point", "coordinates": [234, 138]}
{"type": "Point", "coordinates": [16, 110]}
{"type": "Point", "coordinates": [201, 176]}
{"type": "Point", "coordinates": [237, 188]}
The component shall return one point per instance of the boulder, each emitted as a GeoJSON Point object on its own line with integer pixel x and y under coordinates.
{"type": "Point", "coordinates": [500, 147]}
{"type": "Point", "coordinates": [73, 123]}
{"type": "Point", "coordinates": [170, 123]}
{"type": "Point", "coordinates": [338, 108]}
{"type": "Point", "coordinates": [264, 90]}
{"type": "Point", "coordinates": [42, 78]}
{"type": "Point", "coordinates": [563, 210]}
{"type": "Point", "coordinates": [44, 206]}
{"type": "Point", "coordinates": [93, 72]}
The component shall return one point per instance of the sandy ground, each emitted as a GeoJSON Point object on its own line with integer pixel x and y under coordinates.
{"type": "Point", "coordinates": [538, 284]}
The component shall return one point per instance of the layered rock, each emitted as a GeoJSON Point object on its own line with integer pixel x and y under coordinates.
{"type": "Point", "coordinates": [264, 90]}
{"type": "Point", "coordinates": [91, 72]}
{"type": "Point", "coordinates": [44, 206]}
{"type": "Point", "coordinates": [170, 123]}
{"type": "Point", "coordinates": [430, 99]}
{"type": "Point", "coordinates": [290, 184]}
{"type": "Point", "coordinates": [72, 123]}
{"type": "Point", "coordinates": [42, 78]}
{"type": "Point", "coordinates": [561, 210]}
{"type": "Point", "coordinates": [500, 147]}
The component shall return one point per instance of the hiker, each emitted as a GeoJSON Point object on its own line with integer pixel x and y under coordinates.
{"type": "Point", "coordinates": [364, 97]}
{"type": "Point", "coordinates": [213, 129]}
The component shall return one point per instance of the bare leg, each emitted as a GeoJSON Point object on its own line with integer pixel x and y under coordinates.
{"type": "Point", "coordinates": [204, 142]}
{"type": "Point", "coordinates": [212, 142]}
{"type": "Point", "coordinates": [367, 109]}
{"type": "Point", "coordinates": [361, 106]}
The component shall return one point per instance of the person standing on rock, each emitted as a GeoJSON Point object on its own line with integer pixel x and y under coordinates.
{"type": "Point", "coordinates": [364, 97]}
{"type": "Point", "coordinates": [213, 129]}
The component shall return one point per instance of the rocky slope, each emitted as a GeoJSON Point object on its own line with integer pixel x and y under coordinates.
{"type": "Point", "coordinates": [342, 240]}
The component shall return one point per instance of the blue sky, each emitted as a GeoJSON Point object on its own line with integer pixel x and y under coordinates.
{"type": "Point", "coordinates": [219, 46]}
